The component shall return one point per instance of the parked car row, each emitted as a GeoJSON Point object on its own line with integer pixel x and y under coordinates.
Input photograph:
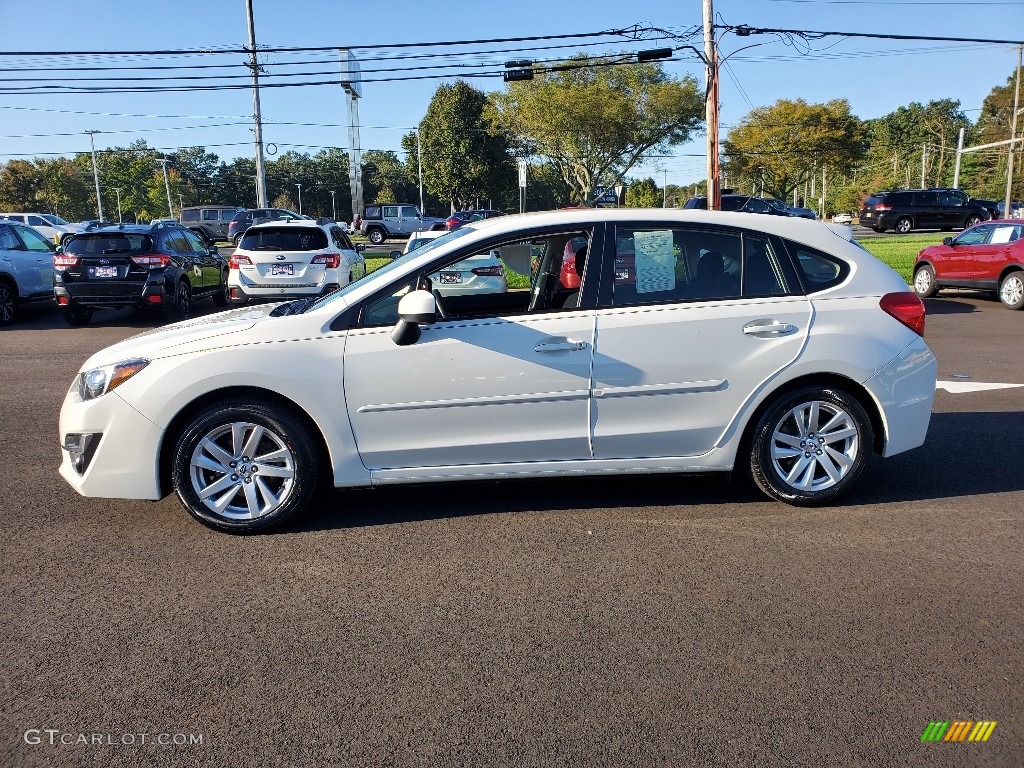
{"type": "Point", "coordinates": [166, 267]}
{"type": "Point", "coordinates": [753, 204]}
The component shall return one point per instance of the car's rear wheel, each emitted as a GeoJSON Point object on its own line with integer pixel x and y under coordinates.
{"type": "Point", "coordinates": [1011, 290]}
{"type": "Point", "coordinates": [904, 225]}
{"type": "Point", "coordinates": [77, 316]}
{"type": "Point", "coordinates": [7, 304]}
{"type": "Point", "coordinates": [245, 465]}
{"type": "Point", "coordinates": [181, 303]}
{"type": "Point", "coordinates": [376, 235]}
{"type": "Point", "coordinates": [235, 240]}
{"type": "Point", "coordinates": [220, 298]}
{"type": "Point", "coordinates": [810, 446]}
{"type": "Point", "coordinates": [924, 282]}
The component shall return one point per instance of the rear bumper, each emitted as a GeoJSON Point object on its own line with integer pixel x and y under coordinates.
{"type": "Point", "coordinates": [111, 295]}
{"type": "Point", "coordinates": [904, 391]}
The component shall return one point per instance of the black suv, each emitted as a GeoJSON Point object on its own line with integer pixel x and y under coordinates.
{"type": "Point", "coordinates": [907, 209]}
{"type": "Point", "coordinates": [162, 266]}
{"type": "Point", "coordinates": [242, 220]}
{"type": "Point", "coordinates": [742, 203]}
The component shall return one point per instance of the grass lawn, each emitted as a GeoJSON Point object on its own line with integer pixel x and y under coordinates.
{"type": "Point", "coordinates": [900, 251]}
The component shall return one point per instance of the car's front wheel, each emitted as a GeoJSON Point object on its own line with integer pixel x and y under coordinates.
{"type": "Point", "coordinates": [810, 446]}
{"type": "Point", "coordinates": [245, 465]}
{"type": "Point", "coordinates": [1011, 290]}
{"type": "Point", "coordinates": [924, 282]}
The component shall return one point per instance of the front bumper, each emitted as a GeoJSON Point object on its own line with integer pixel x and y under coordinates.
{"type": "Point", "coordinates": [125, 457]}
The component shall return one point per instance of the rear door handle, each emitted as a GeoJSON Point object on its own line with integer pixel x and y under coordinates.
{"type": "Point", "coordinates": [768, 328]}
{"type": "Point", "coordinates": [561, 346]}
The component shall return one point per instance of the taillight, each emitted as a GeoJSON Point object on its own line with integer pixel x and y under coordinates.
{"type": "Point", "coordinates": [451, 223]}
{"type": "Point", "coordinates": [907, 308]}
{"type": "Point", "coordinates": [63, 261]}
{"type": "Point", "coordinates": [152, 260]}
{"type": "Point", "coordinates": [237, 261]}
{"type": "Point", "coordinates": [883, 207]}
{"type": "Point", "coordinates": [488, 271]}
{"type": "Point", "coordinates": [330, 260]}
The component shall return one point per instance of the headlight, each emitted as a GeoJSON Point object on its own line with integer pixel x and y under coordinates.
{"type": "Point", "coordinates": [99, 381]}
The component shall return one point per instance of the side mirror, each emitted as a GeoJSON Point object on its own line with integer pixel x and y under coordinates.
{"type": "Point", "coordinates": [213, 251]}
{"type": "Point", "coordinates": [360, 247]}
{"type": "Point", "coordinates": [414, 308]}
{"type": "Point", "coordinates": [947, 241]}
{"type": "Point", "coordinates": [395, 254]}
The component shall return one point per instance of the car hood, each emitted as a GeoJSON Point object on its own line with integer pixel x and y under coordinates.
{"type": "Point", "coordinates": [178, 337]}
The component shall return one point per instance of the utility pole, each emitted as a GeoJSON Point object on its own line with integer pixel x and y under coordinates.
{"type": "Point", "coordinates": [117, 191]}
{"type": "Point", "coordinates": [261, 178]}
{"type": "Point", "coordinates": [959, 154]}
{"type": "Point", "coordinates": [300, 198]}
{"type": "Point", "coordinates": [711, 107]}
{"type": "Point", "coordinates": [664, 190]}
{"type": "Point", "coordinates": [823, 191]}
{"type": "Point", "coordinates": [167, 186]}
{"type": "Point", "coordinates": [334, 209]}
{"type": "Point", "coordinates": [924, 154]}
{"type": "Point", "coordinates": [95, 174]}
{"type": "Point", "coordinates": [1013, 135]}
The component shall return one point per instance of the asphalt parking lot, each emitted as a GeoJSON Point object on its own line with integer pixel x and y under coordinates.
{"type": "Point", "coordinates": [636, 621]}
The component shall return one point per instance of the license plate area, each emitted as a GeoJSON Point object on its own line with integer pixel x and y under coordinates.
{"type": "Point", "coordinates": [450, 278]}
{"type": "Point", "coordinates": [281, 269]}
{"type": "Point", "coordinates": [102, 272]}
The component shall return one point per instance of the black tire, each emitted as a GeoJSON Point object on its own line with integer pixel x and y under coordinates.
{"type": "Point", "coordinates": [879, 229]}
{"type": "Point", "coordinates": [251, 501]}
{"type": "Point", "coordinates": [924, 282]}
{"type": "Point", "coordinates": [236, 240]}
{"type": "Point", "coordinates": [181, 303]}
{"type": "Point", "coordinates": [77, 316]}
{"type": "Point", "coordinates": [220, 298]}
{"type": "Point", "coordinates": [376, 235]}
{"type": "Point", "coordinates": [8, 303]}
{"type": "Point", "coordinates": [972, 220]}
{"type": "Point", "coordinates": [783, 463]}
{"type": "Point", "coordinates": [1011, 290]}
{"type": "Point", "coordinates": [903, 225]}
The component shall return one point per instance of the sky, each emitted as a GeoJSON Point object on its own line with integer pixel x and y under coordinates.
{"type": "Point", "coordinates": [875, 76]}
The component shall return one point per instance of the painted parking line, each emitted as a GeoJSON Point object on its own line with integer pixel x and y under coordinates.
{"type": "Point", "coordinates": [959, 387]}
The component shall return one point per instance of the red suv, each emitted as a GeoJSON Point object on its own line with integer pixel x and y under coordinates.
{"type": "Point", "coordinates": [989, 256]}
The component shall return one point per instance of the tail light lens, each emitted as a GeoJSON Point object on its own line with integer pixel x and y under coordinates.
{"type": "Point", "coordinates": [907, 308]}
{"type": "Point", "coordinates": [451, 223]}
{"type": "Point", "coordinates": [152, 260]}
{"type": "Point", "coordinates": [237, 261]}
{"type": "Point", "coordinates": [63, 261]}
{"type": "Point", "coordinates": [329, 260]}
{"type": "Point", "coordinates": [488, 271]}
{"type": "Point", "coordinates": [883, 207]}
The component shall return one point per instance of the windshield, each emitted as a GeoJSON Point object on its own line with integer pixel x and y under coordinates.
{"type": "Point", "coordinates": [778, 205]}
{"type": "Point", "coordinates": [395, 264]}
{"type": "Point", "coordinates": [54, 219]}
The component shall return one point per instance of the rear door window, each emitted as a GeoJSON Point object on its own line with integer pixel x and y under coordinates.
{"type": "Point", "coordinates": [210, 214]}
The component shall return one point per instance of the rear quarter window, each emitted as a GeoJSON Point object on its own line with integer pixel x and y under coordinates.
{"type": "Point", "coordinates": [817, 270]}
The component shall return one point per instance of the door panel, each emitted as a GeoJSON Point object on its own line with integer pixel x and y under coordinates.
{"type": "Point", "coordinates": [506, 389]}
{"type": "Point", "coordinates": [669, 379]}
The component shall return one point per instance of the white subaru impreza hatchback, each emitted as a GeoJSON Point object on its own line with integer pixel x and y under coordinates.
{"type": "Point", "coordinates": [698, 341]}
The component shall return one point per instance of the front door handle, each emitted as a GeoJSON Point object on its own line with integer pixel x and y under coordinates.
{"type": "Point", "coordinates": [561, 346]}
{"type": "Point", "coordinates": [768, 328]}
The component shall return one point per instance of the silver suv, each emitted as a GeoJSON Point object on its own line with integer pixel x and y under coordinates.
{"type": "Point", "coordinates": [395, 220]}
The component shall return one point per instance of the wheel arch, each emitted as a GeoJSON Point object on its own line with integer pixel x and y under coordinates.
{"type": "Point", "coordinates": [178, 423]}
{"type": "Point", "coordinates": [1007, 270]}
{"type": "Point", "coordinates": [11, 283]}
{"type": "Point", "coordinates": [837, 380]}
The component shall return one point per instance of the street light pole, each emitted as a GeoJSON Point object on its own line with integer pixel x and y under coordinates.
{"type": "Point", "coordinates": [95, 174]}
{"type": "Point", "coordinates": [334, 210]}
{"type": "Point", "coordinates": [254, 66]}
{"type": "Point", "coordinates": [419, 166]}
{"type": "Point", "coordinates": [117, 191]}
{"type": "Point", "coordinates": [167, 186]}
{"type": "Point", "coordinates": [300, 198]}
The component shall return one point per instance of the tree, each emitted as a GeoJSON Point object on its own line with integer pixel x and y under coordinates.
{"type": "Point", "coordinates": [385, 179]}
{"type": "Point", "coordinates": [464, 157]}
{"type": "Point", "coordinates": [644, 194]}
{"type": "Point", "coordinates": [594, 119]}
{"type": "Point", "coordinates": [784, 144]}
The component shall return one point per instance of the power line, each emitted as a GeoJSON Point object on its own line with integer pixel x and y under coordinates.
{"type": "Point", "coordinates": [744, 30]}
